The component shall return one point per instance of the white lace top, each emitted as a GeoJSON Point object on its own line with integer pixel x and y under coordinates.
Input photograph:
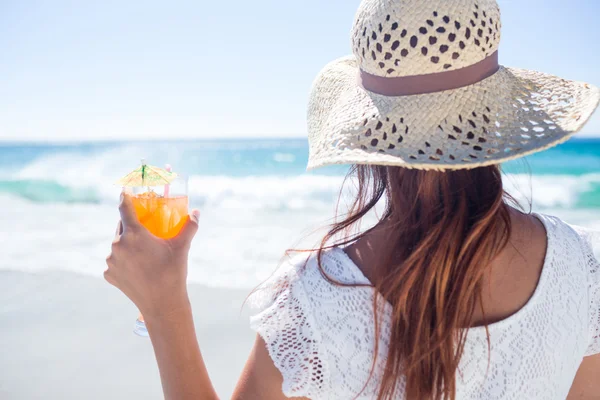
{"type": "Point", "coordinates": [321, 336]}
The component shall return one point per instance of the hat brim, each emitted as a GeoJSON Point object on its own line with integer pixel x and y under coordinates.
{"type": "Point", "coordinates": [511, 114]}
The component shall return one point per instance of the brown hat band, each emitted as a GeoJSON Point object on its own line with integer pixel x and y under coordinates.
{"type": "Point", "coordinates": [430, 83]}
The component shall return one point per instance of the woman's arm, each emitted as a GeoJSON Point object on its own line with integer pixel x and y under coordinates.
{"type": "Point", "coordinates": [184, 375]}
{"type": "Point", "coordinates": [182, 370]}
{"type": "Point", "coordinates": [152, 272]}
{"type": "Point", "coordinates": [260, 378]}
{"type": "Point", "coordinates": [587, 382]}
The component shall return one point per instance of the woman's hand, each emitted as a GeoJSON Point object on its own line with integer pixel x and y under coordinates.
{"type": "Point", "coordinates": [152, 272]}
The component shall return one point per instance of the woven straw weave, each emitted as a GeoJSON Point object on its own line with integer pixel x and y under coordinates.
{"type": "Point", "coordinates": [508, 115]}
{"type": "Point", "coordinates": [403, 38]}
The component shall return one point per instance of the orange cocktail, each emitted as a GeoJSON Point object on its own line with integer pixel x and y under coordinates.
{"type": "Point", "coordinates": [162, 216]}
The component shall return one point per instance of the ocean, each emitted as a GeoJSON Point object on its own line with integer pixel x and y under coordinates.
{"type": "Point", "coordinates": [58, 202]}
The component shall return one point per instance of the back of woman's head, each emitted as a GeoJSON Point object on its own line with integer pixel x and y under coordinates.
{"type": "Point", "coordinates": [441, 231]}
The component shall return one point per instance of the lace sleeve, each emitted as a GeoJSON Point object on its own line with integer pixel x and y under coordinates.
{"type": "Point", "coordinates": [285, 321]}
{"type": "Point", "coordinates": [592, 254]}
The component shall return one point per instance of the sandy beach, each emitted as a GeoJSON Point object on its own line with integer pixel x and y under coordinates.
{"type": "Point", "coordinates": [67, 336]}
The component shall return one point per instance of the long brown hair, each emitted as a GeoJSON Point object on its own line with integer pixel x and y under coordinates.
{"type": "Point", "coordinates": [442, 230]}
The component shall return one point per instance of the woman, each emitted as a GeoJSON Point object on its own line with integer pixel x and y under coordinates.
{"type": "Point", "coordinates": [454, 293]}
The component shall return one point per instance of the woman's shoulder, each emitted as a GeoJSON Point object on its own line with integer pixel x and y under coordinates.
{"type": "Point", "coordinates": [577, 236]}
{"type": "Point", "coordinates": [309, 274]}
{"type": "Point", "coordinates": [297, 313]}
{"type": "Point", "coordinates": [576, 249]}
{"type": "Point", "coordinates": [586, 248]}
{"type": "Point", "coordinates": [308, 314]}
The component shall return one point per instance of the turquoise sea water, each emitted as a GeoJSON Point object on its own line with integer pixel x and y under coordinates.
{"type": "Point", "coordinates": [58, 202]}
{"type": "Point", "coordinates": [84, 172]}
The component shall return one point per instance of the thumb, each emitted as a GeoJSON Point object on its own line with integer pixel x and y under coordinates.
{"type": "Point", "coordinates": [127, 211]}
{"type": "Point", "coordinates": [189, 229]}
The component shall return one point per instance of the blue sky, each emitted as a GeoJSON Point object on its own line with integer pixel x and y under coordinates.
{"type": "Point", "coordinates": [74, 70]}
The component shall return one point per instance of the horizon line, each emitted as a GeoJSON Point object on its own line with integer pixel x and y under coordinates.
{"type": "Point", "coordinates": [4, 142]}
{"type": "Point", "coordinates": [146, 140]}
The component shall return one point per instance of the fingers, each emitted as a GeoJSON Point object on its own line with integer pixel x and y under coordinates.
{"type": "Point", "coordinates": [119, 230]}
{"type": "Point", "coordinates": [108, 273]}
{"type": "Point", "coordinates": [128, 217]}
{"type": "Point", "coordinates": [189, 229]}
{"type": "Point", "coordinates": [108, 277]}
{"type": "Point", "coordinates": [195, 216]}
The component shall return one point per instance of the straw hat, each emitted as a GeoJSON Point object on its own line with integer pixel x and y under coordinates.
{"type": "Point", "coordinates": [424, 90]}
